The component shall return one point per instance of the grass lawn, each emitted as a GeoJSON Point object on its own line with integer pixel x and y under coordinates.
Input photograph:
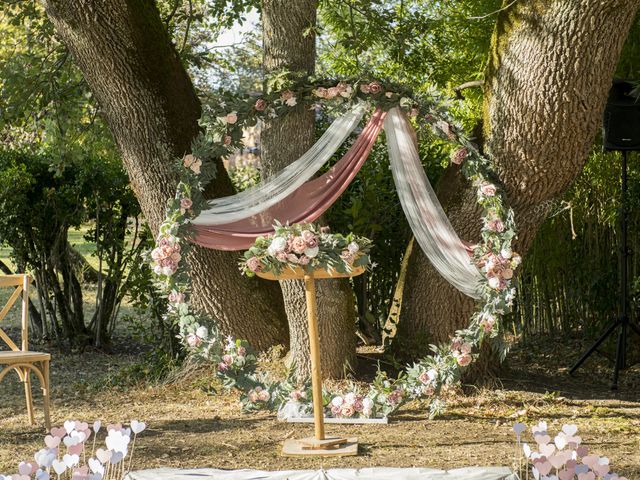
{"type": "Point", "coordinates": [190, 428]}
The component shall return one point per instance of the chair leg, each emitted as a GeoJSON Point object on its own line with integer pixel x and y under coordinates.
{"type": "Point", "coordinates": [29, 397]}
{"type": "Point", "coordinates": [45, 394]}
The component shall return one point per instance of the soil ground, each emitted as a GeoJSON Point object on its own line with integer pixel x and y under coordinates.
{"type": "Point", "coordinates": [189, 427]}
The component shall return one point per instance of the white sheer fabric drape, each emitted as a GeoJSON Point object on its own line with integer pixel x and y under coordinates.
{"type": "Point", "coordinates": [256, 199]}
{"type": "Point", "coordinates": [427, 219]}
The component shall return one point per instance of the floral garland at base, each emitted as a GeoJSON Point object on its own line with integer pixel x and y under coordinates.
{"type": "Point", "coordinates": [425, 379]}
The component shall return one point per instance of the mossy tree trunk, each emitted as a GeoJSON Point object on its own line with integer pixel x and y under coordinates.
{"type": "Point", "coordinates": [148, 101]}
{"type": "Point", "coordinates": [289, 43]}
{"type": "Point", "coordinates": [549, 72]}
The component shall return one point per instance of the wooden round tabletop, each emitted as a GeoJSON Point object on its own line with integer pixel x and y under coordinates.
{"type": "Point", "coordinates": [298, 273]}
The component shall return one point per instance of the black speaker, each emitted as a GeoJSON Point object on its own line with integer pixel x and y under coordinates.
{"type": "Point", "coordinates": [621, 122]}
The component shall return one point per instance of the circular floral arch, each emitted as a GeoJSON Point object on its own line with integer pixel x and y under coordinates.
{"type": "Point", "coordinates": [223, 130]}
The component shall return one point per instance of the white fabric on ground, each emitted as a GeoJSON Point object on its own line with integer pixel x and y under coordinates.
{"type": "Point", "coordinates": [425, 215]}
{"type": "Point", "coordinates": [256, 199]}
{"type": "Point", "coordinates": [472, 473]}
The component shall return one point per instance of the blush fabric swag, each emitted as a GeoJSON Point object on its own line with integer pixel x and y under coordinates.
{"type": "Point", "coordinates": [293, 196]}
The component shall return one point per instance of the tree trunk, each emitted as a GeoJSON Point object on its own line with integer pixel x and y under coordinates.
{"type": "Point", "coordinates": [550, 69]}
{"type": "Point", "coordinates": [149, 103]}
{"type": "Point", "coordinates": [289, 42]}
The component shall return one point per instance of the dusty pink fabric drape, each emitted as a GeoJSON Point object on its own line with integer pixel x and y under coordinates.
{"type": "Point", "coordinates": [306, 204]}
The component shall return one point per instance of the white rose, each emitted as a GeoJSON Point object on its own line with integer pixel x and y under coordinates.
{"type": "Point", "coordinates": [278, 244]}
{"type": "Point", "coordinates": [311, 252]}
{"type": "Point", "coordinates": [350, 398]}
{"type": "Point", "coordinates": [353, 248]}
{"type": "Point", "coordinates": [506, 253]}
{"type": "Point", "coordinates": [367, 403]}
{"type": "Point", "coordinates": [337, 401]}
{"type": "Point", "coordinates": [494, 282]}
{"type": "Point", "coordinates": [202, 332]}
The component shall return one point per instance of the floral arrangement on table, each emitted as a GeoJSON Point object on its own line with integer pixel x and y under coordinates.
{"type": "Point", "coordinates": [224, 124]}
{"type": "Point", "coordinates": [561, 457]}
{"type": "Point", "coordinates": [305, 246]}
{"type": "Point", "coordinates": [69, 453]}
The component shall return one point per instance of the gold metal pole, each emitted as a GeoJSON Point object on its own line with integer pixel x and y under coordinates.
{"type": "Point", "coordinates": [314, 346]}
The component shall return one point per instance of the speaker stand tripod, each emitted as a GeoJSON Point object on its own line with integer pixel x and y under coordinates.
{"type": "Point", "coordinates": [622, 323]}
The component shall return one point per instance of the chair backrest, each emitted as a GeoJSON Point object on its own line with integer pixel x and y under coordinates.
{"type": "Point", "coordinates": [21, 283]}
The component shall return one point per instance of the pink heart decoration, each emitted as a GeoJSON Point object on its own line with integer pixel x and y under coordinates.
{"type": "Point", "coordinates": [571, 463]}
{"type": "Point", "coordinates": [557, 460]}
{"type": "Point", "coordinates": [80, 426]}
{"type": "Point", "coordinates": [544, 467]}
{"type": "Point", "coordinates": [542, 439]}
{"type": "Point", "coordinates": [587, 476]}
{"type": "Point", "coordinates": [25, 468]}
{"type": "Point", "coordinates": [566, 474]}
{"type": "Point", "coordinates": [602, 469]}
{"type": "Point", "coordinates": [114, 426]}
{"type": "Point", "coordinates": [577, 440]}
{"type": "Point", "coordinates": [547, 450]}
{"type": "Point", "coordinates": [20, 477]}
{"type": "Point", "coordinates": [75, 449]}
{"type": "Point", "coordinates": [582, 451]}
{"type": "Point", "coordinates": [51, 441]}
{"type": "Point", "coordinates": [540, 428]}
{"type": "Point", "coordinates": [103, 455]}
{"type": "Point", "coordinates": [591, 461]}
{"type": "Point", "coordinates": [58, 432]}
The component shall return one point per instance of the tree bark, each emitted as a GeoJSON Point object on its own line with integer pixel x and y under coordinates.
{"type": "Point", "coordinates": [149, 103]}
{"type": "Point", "coordinates": [550, 69]}
{"type": "Point", "coordinates": [289, 42]}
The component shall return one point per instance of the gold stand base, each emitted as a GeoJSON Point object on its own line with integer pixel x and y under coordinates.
{"type": "Point", "coordinates": [329, 447]}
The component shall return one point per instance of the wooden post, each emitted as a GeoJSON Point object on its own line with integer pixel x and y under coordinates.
{"type": "Point", "coordinates": [314, 346]}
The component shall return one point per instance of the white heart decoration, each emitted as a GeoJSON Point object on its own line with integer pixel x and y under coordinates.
{"type": "Point", "coordinates": [527, 450]}
{"type": "Point", "coordinates": [96, 466]}
{"type": "Point", "coordinates": [51, 441]}
{"type": "Point", "coordinates": [25, 468]}
{"type": "Point", "coordinates": [547, 450]}
{"type": "Point", "coordinates": [70, 441]}
{"type": "Point", "coordinates": [96, 476]}
{"type": "Point", "coordinates": [560, 441]}
{"type": "Point", "coordinates": [104, 455]}
{"type": "Point", "coordinates": [117, 441]}
{"type": "Point", "coordinates": [69, 426]}
{"type": "Point", "coordinates": [80, 435]}
{"type": "Point", "coordinates": [536, 473]}
{"type": "Point", "coordinates": [138, 427]}
{"type": "Point", "coordinates": [59, 467]}
{"type": "Point", "coordinates": [45, 457]}
{"type": "Point", "coordinates": [540, 428]}
{"type": "Point", "coordinates": [96, 426]}
{"type": "Point", "coordinates": [570, 430]}
{"type": "Point", "coordinates": [71, 460]}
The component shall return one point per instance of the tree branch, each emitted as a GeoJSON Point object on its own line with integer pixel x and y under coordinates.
{"type": "Point", "coordinates": [464, 86]}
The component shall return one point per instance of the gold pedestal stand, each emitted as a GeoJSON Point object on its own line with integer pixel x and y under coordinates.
{"type": "Point", "coordinates": [319, 445]}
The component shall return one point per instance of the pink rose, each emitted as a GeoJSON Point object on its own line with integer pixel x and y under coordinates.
{"type": "Point", "coordinates": [347, 411]}
{"type": "Point", "coordinates": [231, 118]}
{"type": "Point", "coordinates": [358, 405]}
{"type": "Point", "coordinates": [242, 351]}
{"type": "Point", "coordinates": [193, 340]}
{"type": "Point", "coordinates": [395, 396]}
{"type": "Point", "coordinates": [252, 396]}
{"type": "Point", "coordinates": [304, 260]}
{"type": "Point", "coordinates": [347, 256]}
{"type": "Point", "coordinates": [176, 297]}
{"type": "Point", "coordinates": [260, 105]}
{"type": "Point", "coordinates": [464, 359]}
{"type": "Point", "coordinates": [459, 155]}
{"type": "Point", "coordinates": [228, 359]}
{"type": "Point", "coordinates": [185, 204]}
{"type": "Point", "coordinates": [495, 225]}
{"type": "Point", "coordinates": [428, 390]}
{"type": "Point", "coordinates": [227, 140]}
{"type": "Point", "coordinates": [335, 411]}
{"type": "Point", "coordinates": [375, 87]}
{"type": "Point", "coordinates": [332, 92]}
{"type": "Point", "coordinates": [487, 324]}
{"type": "Point", "coordinates": [424, 378]}
{"type": "Point", "coordinates": [309, 238]}
{"type": "Point", "coordinates": [254, 264]}
{"type": "Point", "coordinates": [263, 396]}
{"type": "Point", "coordinates": [292, 258]}
{"type": "Point", "coordinates": [282, 257]}
{"type": "Point", "coordinates": [286, 95]}
{"type": "Point", "coordinates": [488, 189]}
{"type": "Point", "coordinates": [365, 88]}
{"type": "Point", "coordinates": [298, 245]}
{"type": "Point", "coordinates": [296, 395]}
{"type": "Point", "coordinates": [507, 274]}
{"type": "Point", "coordinates": [342, 87]}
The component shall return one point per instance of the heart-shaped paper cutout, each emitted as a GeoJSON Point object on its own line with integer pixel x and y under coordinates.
{"type": "Point", "coordinates": [560, 441]}
{"type": "Point", "coordinates": [58, 432]}
{"type": "Point", "coordinates": [565, 474]}
{"type": "Point", "coordinates": [96, 466]}
{"type": "Point", "coordinates": [526, 449]}
{"type": "Point", "coordinates": [591, 461]}
{"type": "Point", "coordinates": [59, 467]}
{"type": "Point", "coordinates": [138, 427]}
{"type": "Point", "coordinates": [97, 425]}
{"type": "Point", "coordinates": [116, 457]}
{"type": "Point", "coordinates": [582, 451]}
{"type": "Point", "coordinates": [80, 426]}
{"type": "Point", "coordinates": [25, 468]}
{"type": "Point", "coordinates": [542, 439]}
{"type": "Point", "coordinates": [117, 441]}
{"type": "Point", "coordinates": [103, 455]}
{"type": "Point", "coordinates": [602, 469]}
{"type": "Point", "coordinates": [557, 461]}
{"type": "Point", "coordinates": [544, 467]}
{"type": "Point", "coordinates": [76, 449]}
{"type": "Point", "coordinates": [51, 442]}
{"type": "Point", "coordinates": [69, 426]}
{"type": "Point", "coordinates": [581, 469]}
{"type": "Point", "coordinates": [536, 473]}
{"type": "Point", "coordinates": [42, 475]}
{"type": "Point", "coordinates": [114, 426]}
{"type": "Point", "coordinates": [540, 428]}
{"type": "Point", "coordinates": [570, 429]}
{"type": "Point", "coordinates": [547, 450]}
{"type": "Point", "coordinates": [71, 460]}
{"type": "Point", "coordinates": [45, 457]}
{"type": "Point", "coordinates": [587, 476]}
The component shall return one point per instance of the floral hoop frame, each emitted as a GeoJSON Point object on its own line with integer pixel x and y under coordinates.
{"type": "Point", "coordinates": [223, 126]}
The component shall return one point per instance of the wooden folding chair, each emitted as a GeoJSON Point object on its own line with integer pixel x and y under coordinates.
{"type": "Point", "coordinates": [21, 359]}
